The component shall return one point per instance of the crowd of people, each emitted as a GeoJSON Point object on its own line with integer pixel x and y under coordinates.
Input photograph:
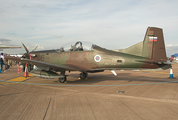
{"type": "Point", "coordinates": [5, 64]}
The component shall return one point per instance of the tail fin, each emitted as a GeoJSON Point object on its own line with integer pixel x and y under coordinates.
{"type": "Point", "coordinates": [153, 45]}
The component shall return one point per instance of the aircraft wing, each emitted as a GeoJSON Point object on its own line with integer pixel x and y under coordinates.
{"type": "Point", "coordinates": [1, 48]}
{"type": "Point", "coordinates": [45, 64]}
{"type": "Point", "coordinates": [8, 47]}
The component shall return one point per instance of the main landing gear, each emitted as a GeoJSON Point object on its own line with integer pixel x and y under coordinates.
{"type": "Point", "coordinates": [83, 75]}
{"type": "Point", "coordinates": [63, 79]}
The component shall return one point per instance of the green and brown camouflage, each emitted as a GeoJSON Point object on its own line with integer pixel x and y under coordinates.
{"type": "Point", "coordinates": [148, 54]}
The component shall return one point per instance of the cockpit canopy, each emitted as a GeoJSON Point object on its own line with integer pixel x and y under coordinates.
{"type": "Point", "coordinates": [78, 46]}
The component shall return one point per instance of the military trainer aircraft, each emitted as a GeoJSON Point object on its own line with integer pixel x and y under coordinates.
{"type": "Point", "coordinates": [90, 58]}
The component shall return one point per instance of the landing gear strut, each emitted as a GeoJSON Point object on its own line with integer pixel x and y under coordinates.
{"type": "Point", "coordinates": [83, 75]}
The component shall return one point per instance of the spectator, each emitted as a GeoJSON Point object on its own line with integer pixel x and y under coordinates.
{"type": "Point", "coordinates": [2, 61]}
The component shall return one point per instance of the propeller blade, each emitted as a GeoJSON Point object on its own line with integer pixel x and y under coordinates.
{"type": "Point", "coordinates": [25, 48]}
{"type": "Point", "coordinates": [35, 48]}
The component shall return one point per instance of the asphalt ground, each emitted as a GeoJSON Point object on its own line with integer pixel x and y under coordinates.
{"type": "Point", "coordinates": [138, 95]}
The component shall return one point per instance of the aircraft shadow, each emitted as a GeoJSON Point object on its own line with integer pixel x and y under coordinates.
{"type": "Point", "coordinates": [96, 78]}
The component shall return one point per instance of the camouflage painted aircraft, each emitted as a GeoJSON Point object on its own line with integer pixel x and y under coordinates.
{"type": "Point", "coordinates": [90, 58]}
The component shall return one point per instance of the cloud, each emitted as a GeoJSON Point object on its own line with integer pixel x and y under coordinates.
{"type": "Point", "coordinates": [171, 45]}
{"type": "Point", "coordinates": [110, 24]}
{"type": "Point", "coordinates": [171, 49]}
{"type": "Point", "coordinates": [31, 47]}
{"type": "Point", "coordinates": [4, 42]}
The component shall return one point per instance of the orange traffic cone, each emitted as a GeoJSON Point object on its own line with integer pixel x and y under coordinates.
{"type": "Point", "coordinates": [26, 71]}
{"type": "Point", "coordinates": [18, 68]}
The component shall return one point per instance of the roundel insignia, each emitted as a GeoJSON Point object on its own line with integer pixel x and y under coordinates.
{"type": "Point", "coordinates": [97, 58]}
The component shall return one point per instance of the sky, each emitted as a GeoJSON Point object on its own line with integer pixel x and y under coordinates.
{"type": "Point", "coordinates": [111, 24]}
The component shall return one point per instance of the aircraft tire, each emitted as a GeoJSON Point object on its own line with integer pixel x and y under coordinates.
{"type": "Point", "coordinates": [62, 80]}
{"type": "Point", "coordinates": [83, 75]}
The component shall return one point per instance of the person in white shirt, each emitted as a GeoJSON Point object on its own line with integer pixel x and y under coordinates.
{"type": "Point", "coordinates": [2, 60]}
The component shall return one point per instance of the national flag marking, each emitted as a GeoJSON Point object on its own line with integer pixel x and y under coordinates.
{"type": "Point", "coordinates": [153, 38]}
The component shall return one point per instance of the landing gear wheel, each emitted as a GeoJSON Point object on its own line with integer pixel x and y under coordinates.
{"type": "Point", "coordinates": [62, 80]}
{"type": "Point", "coordinates": [83, 75]}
